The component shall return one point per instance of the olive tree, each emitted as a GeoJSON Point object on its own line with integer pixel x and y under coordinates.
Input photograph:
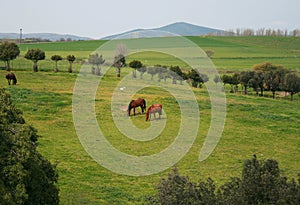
{"type": "Point", "coordinates": [71, 59]}
{"type": "Point", "coordinates": [119, 59]}
{"type": "Point", "coordinates": [97, 60]}
{"type": "Point", "coordinates": [135, 64]}
{"type": "Point", "coordinates": [56, 58]}
{"type": "Point", "coordinates": [8, 52]}
{"type": "Point", "coordinates": [35, 55]}
{"type": "Point", "coordinates": [292, 84]}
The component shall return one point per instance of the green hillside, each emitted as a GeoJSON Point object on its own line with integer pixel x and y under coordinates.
{"type": "Point", "coordinates": [264, 126]}
{"type": "Point", "coordinates": [230, 53]}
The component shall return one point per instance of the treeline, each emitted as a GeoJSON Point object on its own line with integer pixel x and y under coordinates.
{"type": "Point", "coordinates": [257, 32]}
{"type": "Point", "coordinates": [264, 77]}
{"type": "Point", "coordinates": [36, 40]}
{"type": "Point", "coordinates": [261, 182]}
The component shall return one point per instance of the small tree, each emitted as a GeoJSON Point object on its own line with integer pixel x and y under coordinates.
{"type": "Point", "coordinates": [35, 55]}
{"type": "Point", "coordinates": [176, 73]}
{"type": "Point", "coordinates": [209, 53]}
{"type": "Point", "coordinates": [8, 52]}
{"type": "Point", "coordinates": [245, 78]}
{"type": "Point", "coordinates": [292, 84]}
{"type": "Point", "coordinates": [56, 58]}
{"type": "Point", "coordinates": [232, 80]}
{"type": "Point", "coordinates": [197, 79]}
{"type": "Point", "coordinates": [142, 70]}
{"type": "Point", "coordinates": [217, 79]}
{"type": "Point", "coordinates": [194, 77]}
{"type": "Point", "coordinates": [135, 64]}
{"type": "Point", "coordinates": [152, 70]}
{"type": "Point", "coordinates": [119, 59]}
{"type": "Point", "coordinates": [71, 59]}
{"type": "Point", "coordinates": [97, 60]}
{"type": "Point", "coordinates": [258, 81]}
{"type": "Point", "coordinates": [119, 62]}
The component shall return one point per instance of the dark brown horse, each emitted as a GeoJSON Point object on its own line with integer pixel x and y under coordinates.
{"type": "Point", "coordinates": [140, 102]}
{"type": "Point", "coordinates": [156, 108]}
{"type": "Point", "coordinates": [11, 77]}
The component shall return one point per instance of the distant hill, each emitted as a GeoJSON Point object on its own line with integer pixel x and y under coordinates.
{"type": "Point", "coordinates": [175, 29]}
{"type": "Point", "coordinates": [49, 36]}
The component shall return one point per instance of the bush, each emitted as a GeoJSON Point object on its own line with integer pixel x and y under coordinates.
{"type": "Point", "coordinates": [26, 177]}
{"type": "Point", "coordinates": [260, 183]}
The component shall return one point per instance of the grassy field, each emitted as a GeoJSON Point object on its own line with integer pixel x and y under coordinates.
{"type": "Point", "coordinates": [230, 53]}
{"type": "Point", "coordinates": [264, 126]}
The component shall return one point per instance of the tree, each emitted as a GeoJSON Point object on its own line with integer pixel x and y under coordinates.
{"type": "Point", "coordinates": [176, 74]}
{"type": "Point", "coordinates": [229, 79]}
{"type": "Point", "coordinates": [162, 72]}
{"type": "Point", "coordinates": [292, 84]}
{"type": "Point", "coordinates": [273, 76]}
{"type": "Point", "coordinates": [175, 189]}
{"type": "Point", "coordinates": [119, 59]}
{"type": "Point", "coordinates": [97, 60]}
{"type": "Point", "coordinates": [203, 79]}
{"type": "Point", "coordinates": [209, 53]}
{"type": "Point", "coordinates": [26, 177]}
{"type": "Point", "coordinates": [119, 62]}
{"type": "Point", "coordinates": [258, 81]}
{"type": "Point", "coordinates": [217, 79]}
{"type": "Point", "coordinates": [35, 55]}
{"type": "Point", "coordinates": [194, 77]}
{"type": "Point", "coordinates": [8, 52]}
{"type": "Point", "coordinates": [261, 183]}
{"type": "Point", "coordinates": [235, 81]}
{"type": "Point", "coordinates": [245, 78]}
{"type": "Point", "coordinates": [135, 64]}
{"type": "Point", "coordinates": [71, 59]}
{"type": "Point", "coordinates": [142, 70]}
{"type": "Point", "coordinates": [56, 58]}
{"type": "Point", "coordinates": [152, 70]}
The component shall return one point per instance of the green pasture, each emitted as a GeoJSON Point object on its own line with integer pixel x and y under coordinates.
{"type": "Point", "coordinates": [230, 53]}
{"type": "Point", "coordinates": [264, 126]}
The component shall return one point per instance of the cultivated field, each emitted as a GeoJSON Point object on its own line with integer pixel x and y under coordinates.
{"type": "Point", "coordinates": [264, 126]}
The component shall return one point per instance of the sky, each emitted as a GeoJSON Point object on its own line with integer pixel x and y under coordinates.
{"type": "Point", "coordinates": [100, 18]}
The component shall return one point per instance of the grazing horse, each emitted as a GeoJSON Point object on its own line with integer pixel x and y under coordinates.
{"type": "Point", "coordinates": [140, 102]}
{"type": "Point", "coordinates": [11, 77]}
{"type": "Point", "coordinates": [152, 110]}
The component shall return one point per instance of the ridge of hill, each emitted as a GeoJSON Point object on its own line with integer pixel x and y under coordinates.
{"type": "Point", "coordinates": [174, 29]}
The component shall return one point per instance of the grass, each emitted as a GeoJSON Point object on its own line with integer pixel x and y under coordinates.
{"type": "Point", "coordinates": [230, 53]}
{"type": "Point", "coordinates": [264, 126]}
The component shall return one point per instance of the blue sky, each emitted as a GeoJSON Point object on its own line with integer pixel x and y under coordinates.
{"type": "Point", "coordinates": [99, 18]}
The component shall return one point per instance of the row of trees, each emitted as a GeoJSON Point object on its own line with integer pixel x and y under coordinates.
{"type": "Point", "coordinates": [174, 73]}
{"type": "Point", "coordinates": [258, 32]}
{"type": "Point", "coordinates": [264, 77]}
{"type": "Point", "coordinates": [10, 51]}
{"type": "Point", "coordinates": [261, 183]}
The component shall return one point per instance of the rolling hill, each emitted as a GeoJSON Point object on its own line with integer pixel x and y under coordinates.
{"type": "Point", "coordinates": [174, 29]}
{"type": "Point", "coordinates": [48, 36]}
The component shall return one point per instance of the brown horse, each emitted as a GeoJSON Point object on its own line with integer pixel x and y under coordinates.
{"type": "Point", "coordinates": [156, 108]}
{"type": "Point", "coordinates": [11, 77]}
{"type": "Point", "coordinates": [140, 102]}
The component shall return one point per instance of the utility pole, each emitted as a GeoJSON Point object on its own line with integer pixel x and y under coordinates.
{"type": "Point", "coordinates": [20, 40]}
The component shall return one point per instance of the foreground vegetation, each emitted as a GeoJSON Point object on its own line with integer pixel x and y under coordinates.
{"type": "Point", "coordinates": [260, 183]}
{"type": "Point", "coordinates": [263, 126]}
